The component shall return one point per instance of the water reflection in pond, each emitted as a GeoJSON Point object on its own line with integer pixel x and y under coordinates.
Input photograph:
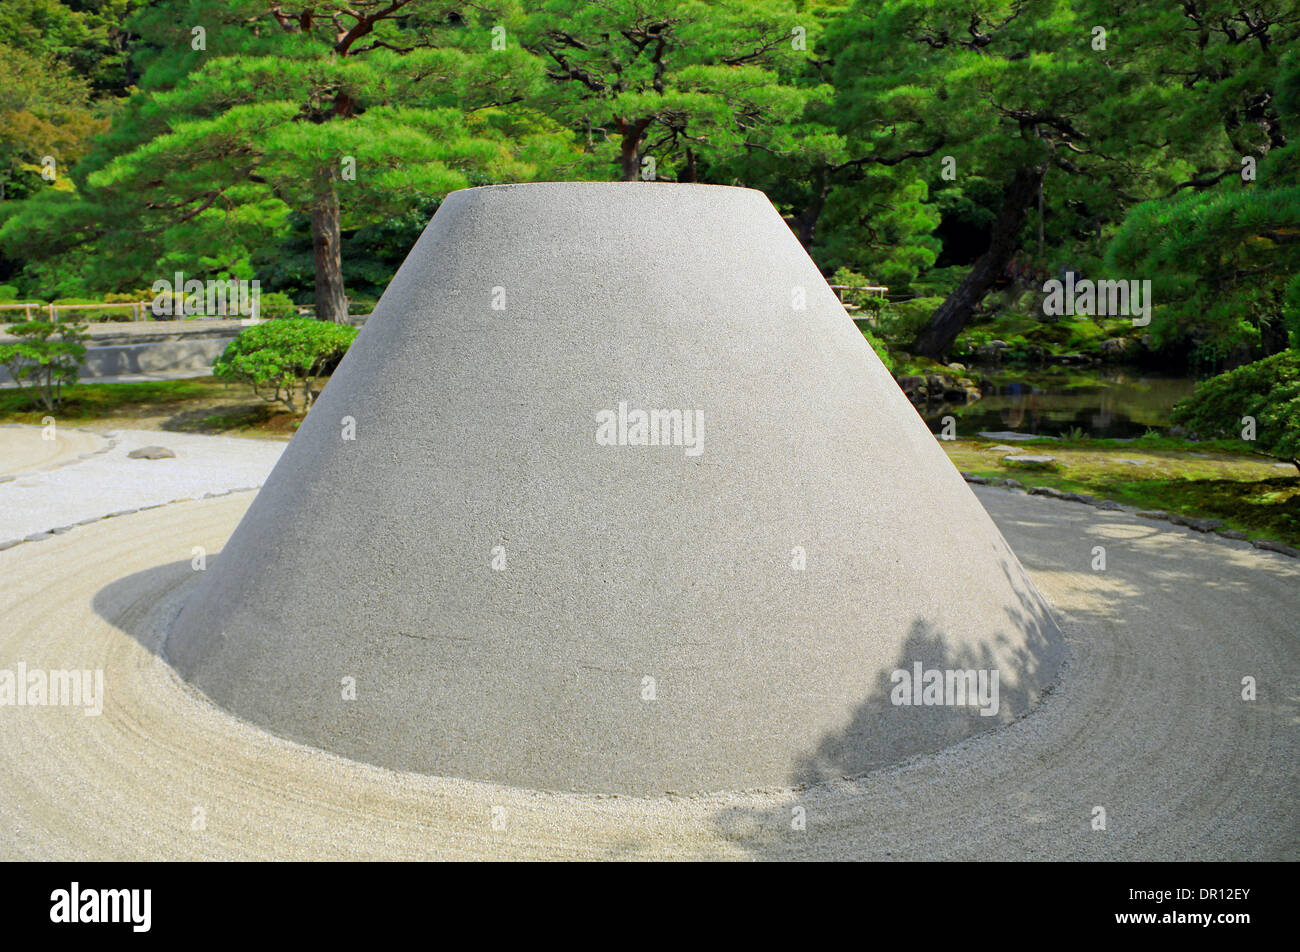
{"type": "Point", "coordinates": [1104, 404]}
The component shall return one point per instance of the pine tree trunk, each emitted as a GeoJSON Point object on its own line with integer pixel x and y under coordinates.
{"type": "Point", "coordinates": [331, 302]}
{"type": "Point", "coordinates": [956, 310]}
{"type": "Point", "coordinates": [805, 223]}
{"type": "Point", "coordinates": [629, 152]}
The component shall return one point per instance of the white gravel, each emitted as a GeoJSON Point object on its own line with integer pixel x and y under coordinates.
{"type": "Point", "coordinates": [56, 489]}
{"type": "Point", "coordinates": [1148, 723]}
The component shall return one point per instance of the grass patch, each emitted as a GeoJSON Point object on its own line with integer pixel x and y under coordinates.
{"type": "Point", "coordinates": [1197, 480]}
{"type": "Point", "coordinates": [197, 405]}
{"type": "Point", "coordinates": [93, 401]}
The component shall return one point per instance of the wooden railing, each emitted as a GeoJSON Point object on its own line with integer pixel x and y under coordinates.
{"type": "Point", "coordinates": [143, 310]}
{"type": "Point", "coordinates": [874, 290]}
{"type": "Point", "coordinates": [139, 309]}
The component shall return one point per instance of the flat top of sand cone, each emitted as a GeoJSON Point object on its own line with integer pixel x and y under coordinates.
{"type": "Point", "coordinates": [523, 592]}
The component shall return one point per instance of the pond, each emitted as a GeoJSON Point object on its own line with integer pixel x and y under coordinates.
{"type": "Point", "coordinates": [1103, 403]}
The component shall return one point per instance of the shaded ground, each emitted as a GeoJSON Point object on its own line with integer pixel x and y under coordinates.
{"type": "Point", "coordinates": [196, 405]}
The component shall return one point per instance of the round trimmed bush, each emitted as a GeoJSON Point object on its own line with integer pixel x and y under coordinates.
{"type": "Point", "coordinates": [283, 358]}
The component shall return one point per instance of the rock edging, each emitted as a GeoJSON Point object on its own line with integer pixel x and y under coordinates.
{"type": "Point", "coordinates": [60, 530]}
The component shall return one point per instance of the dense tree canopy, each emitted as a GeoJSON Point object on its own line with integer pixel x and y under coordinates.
{"type": "Point", "coordinates": [936, 146]}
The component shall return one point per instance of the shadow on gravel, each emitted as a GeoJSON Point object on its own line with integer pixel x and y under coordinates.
{"type": "Point", "coordinates": [1225, 579]}
{"type": "Point", "coordinates": [1225, 586]}
{"type": "Point", "coordinates": [144, 603]}
{"type": "Point", "coordinates": [907, 730]}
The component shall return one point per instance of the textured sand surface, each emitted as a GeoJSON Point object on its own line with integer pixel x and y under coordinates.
{"type": "Point", "coordinates": [1147, 722]}
{"type": "Point", "coordinates": [25, 449]}
{"type": "Point", "coordinates": [628, 568]}
{"type": "Point", "coordinates": [107, 481]}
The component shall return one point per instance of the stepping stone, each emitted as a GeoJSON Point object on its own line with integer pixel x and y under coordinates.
{"type": "Point", "coordinates": [152, 452]}
{"type": "Point", "coordinates": [1080, 497]}
{"type": "Point", "coordinates": [1046, 491]}
{"type": "Point", "coordinates": [1025, 460]}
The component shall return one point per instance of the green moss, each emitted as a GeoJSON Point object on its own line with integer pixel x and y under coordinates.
{"type": "Point", "coordinates": [1241, 489]}
{"type": "Point", "coordinates": [91, 401]}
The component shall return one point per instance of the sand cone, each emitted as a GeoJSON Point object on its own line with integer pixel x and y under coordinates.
{"type": "Point", "coordinates": [610, 495]}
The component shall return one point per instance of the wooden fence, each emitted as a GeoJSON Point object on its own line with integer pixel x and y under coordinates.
{"type": "Point", "coordinates": [140, 310]}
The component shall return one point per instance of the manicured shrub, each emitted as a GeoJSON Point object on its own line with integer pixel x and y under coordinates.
{"type": "Point", "coordinates": [282, 359]}
{"type": "Point", "coordinates": [1267, 390]}
{"type": "Point", "coordinates": [881, 350]}
{"type": "Point", "coordinates": [46, 358]}
{"type": "Point", "coordinates": [276, 306]}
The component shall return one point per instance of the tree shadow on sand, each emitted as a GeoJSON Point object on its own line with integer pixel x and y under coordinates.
{"type": "Point", "coordinates": [882, 733]}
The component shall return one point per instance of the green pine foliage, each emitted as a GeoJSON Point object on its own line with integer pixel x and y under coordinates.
{"type": "Point", "coordinates": [1267, 391]}
{"type": "Point", "coordinates": [44, 360]}
{"type": "Point", "coordinates": [307, 146]}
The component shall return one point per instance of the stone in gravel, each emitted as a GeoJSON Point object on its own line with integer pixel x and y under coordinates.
{"type": "Point", "coordinates": [121, 512]}
{"type": "Point", "coordinates": [978, 480]}
{"type": "Point", "coordinates": [1153, 514]}
{"type": "Point", "coordinates": [152, 452]}
{"type": "Point", "coordinates": [37, 536]}
{"type": "Point", "coordinates": [1013, 484]}
{"type": "Point", "coordinates": [1026, 460]}
{"type": "Point", "coordinates": [9, 543]}
{"type": "Point", "coordinates": [1204, 525]}
{"type": "Point", "coordinates": [1046, 491]}
{"type": "Point", "coordinates": [1272, 546]}
{"type": "Point", "coordinates": [1108, 504]}
{"type": "Point", "coordinates": [1231, 533]}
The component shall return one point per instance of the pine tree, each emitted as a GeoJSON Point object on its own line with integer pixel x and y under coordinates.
{"type": "Point", "coordinates": [676, 83]}
{"type": "Point", "coordinates": [252, 111]}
